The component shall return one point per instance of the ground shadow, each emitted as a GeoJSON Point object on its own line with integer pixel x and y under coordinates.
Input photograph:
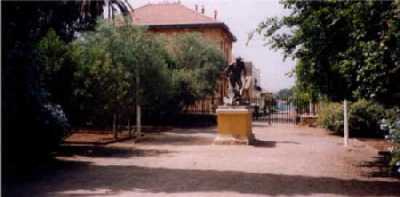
{"type": "Point", "coordinates": [362, 136]}
{"type": "Point", "coordinates": [379, 166]}
{"type": "Point", "coordinates": [178, 136]}
{"type": "Point", "coordinates": [270, 144]}
{"type": "Point", "coordinates": [175, 139]}
{"type": "Point", "coordinates": [193, 130]}
{"type": "Point", "coordinates": [84, 179]}
{"type": "Point", "coordinates": [263, 143]}
{"type": "Point", "coordinates": [107, 151]}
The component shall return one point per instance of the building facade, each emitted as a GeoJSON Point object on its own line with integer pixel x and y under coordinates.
{"type": "Point", "coordinates": [253, 75]}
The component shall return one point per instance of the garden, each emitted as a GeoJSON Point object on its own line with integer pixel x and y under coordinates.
{"type": "Point", "coordinates": [65, 69]}
{"type": "Point", "coordinates": [87, 73]}
{"type": "Point", "coordinates": [366, 120]}
{"type": "Point", "coordinates": [343, 54]}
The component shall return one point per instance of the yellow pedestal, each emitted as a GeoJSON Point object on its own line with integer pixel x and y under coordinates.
{"type": "Point", "coordinates": [234, 125]}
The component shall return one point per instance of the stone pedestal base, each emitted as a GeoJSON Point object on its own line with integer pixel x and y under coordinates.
{"type": "Point", "coordinates": [234, 125]}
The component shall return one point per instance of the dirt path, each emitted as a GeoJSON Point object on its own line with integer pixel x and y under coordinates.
{"type": "Point", "coordinates": [288, 161]}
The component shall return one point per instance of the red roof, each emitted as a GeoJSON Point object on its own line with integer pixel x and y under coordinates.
{"type": "Point", "coordinates": [176, 15]}
{"type": "Point", "coordinates": [169, 14]}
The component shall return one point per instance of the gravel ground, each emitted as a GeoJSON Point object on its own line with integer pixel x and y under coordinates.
{"type": "Point", "coordinates": [287, 161]}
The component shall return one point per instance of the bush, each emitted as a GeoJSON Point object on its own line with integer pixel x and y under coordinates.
{"type": "Point", "coordinates": [40, 126]}
{"type": "Point", "coordinates": [364, 117]}
{"type": "Point", "coordinates": [55, 126]}
{"type": "Point", "coordinates": [391, 125]}
{"type": "Point", "coordinates": [331, 116]}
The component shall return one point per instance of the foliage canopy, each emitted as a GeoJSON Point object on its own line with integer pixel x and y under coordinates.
{"type": "Point", "coordinates": [196, 65]}
{"type": "Point", "coordinates": [109, 61]}
{"type": "Point", "coordinates": [344, 49]}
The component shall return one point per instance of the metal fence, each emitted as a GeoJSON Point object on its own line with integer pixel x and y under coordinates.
{"type": "Point", "coordinates": [285, 110]}
{"type": "Point", "coordinates": [271, 110]}
{"type": "Point", "coordinates": [204, 106]}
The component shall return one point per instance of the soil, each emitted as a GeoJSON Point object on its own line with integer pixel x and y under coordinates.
{"type": "Point", "coordinates": [103, 136]}
{"type": "Point", "coordinates": [378, 144]}
{"type": "Point", "coordinates": [286, 161]}
{"type": "Point", "coordinates": [95, 138]}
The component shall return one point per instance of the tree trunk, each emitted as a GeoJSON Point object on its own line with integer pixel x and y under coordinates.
{"type": "Point", "coordinates": [118, 125]}
{"type": "Point", "coordinates": [114, 126]}
{"type": "Point", "coordinates": [138, 109]}
{"type": "Point", "coordinates": [138, 121]}
{"type": "Point", "coordinates": [129, 127]}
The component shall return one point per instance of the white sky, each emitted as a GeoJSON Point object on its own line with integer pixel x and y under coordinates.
{"type": "Point", "coordinates": [242, 17]}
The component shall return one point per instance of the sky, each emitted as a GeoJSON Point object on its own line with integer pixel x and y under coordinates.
{"type": "Point", "coordinates": [242, 17]}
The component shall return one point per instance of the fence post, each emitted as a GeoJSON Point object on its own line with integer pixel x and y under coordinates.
{"type": "Point", "coordinates": [346, 124]}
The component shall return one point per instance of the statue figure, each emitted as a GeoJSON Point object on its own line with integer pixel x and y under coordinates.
{"type": "Point", "coordinates": [235, 72]}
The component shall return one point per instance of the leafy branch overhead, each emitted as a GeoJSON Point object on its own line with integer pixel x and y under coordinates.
{"type": "Point", "coordinates": [344, 49]}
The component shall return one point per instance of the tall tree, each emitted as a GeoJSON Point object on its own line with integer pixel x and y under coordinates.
{"type": "Point", "coordinates": [28, 111]}
{"type": "Point", "coordinates": [344, 49]}
{"type": "Point", "coordinates": [284, 93]}
{"type": "Point", "coordinates": [110, 60]}
{"type": "Point", "coordinates": [197, 64]}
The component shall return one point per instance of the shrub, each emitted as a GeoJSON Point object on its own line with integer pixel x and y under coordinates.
{"type": "Point", "coordinates": [331, 116]}
{"type": "Point", "coordinates": [55, 126]}
{"type": "Point", "coordinates": [38, 135]}
{"type": "Point", "coordinates": [391, 125]}
{"type": "Point", "coordinates": [364, 117]}
{"type": "Point", "coordinates": [395, 162]}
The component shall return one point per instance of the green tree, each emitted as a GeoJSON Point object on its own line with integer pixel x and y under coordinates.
{"type": "Point", "coordinates": [106, 63]}
{"type": "Point", "coordinates": [30, 113]}
{"type": "Point", "coordinates": [111, 59]}
{"type": "Point", "coordinates": [196, 66]}
{"type": "Point", "coordinates": [284, 93]}
{"type": "Point", "coordinates": [56, 70]}
{"type": "Point", "coordinates": [344, 49]}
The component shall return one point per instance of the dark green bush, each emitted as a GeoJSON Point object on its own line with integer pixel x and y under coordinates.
{"type": "Point", "coordinates": [364, 117]}
{"type": "Point", "coordinates": [391, 127]}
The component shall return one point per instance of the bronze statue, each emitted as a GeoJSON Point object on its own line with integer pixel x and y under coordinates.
{"type": "Point", "coordinates": [235, 72]}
